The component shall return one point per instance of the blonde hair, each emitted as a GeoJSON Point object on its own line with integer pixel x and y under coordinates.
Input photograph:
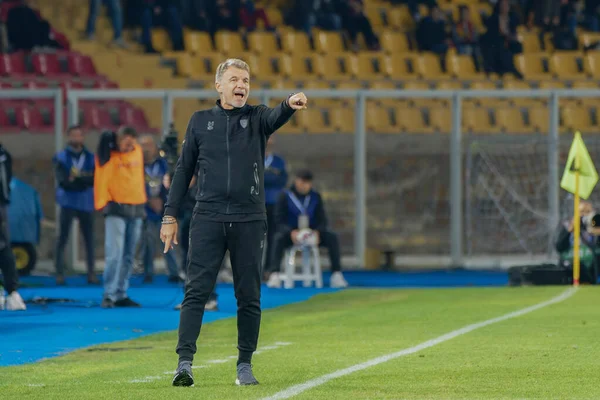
{"type": "Point", "coordinates": [230, 62]}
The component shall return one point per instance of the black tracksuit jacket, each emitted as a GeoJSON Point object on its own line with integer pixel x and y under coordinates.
{"type": "Point", "coordinates": [229, 148]}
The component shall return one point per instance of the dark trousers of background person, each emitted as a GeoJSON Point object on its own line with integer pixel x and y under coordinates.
{"type": "Point", "coordinates": [271, 229]}
{"type": "Point", "coordinates": [361, 24]}
{"type": "Point", "coordinates": [86, 225]}
{"type": "Point", "coordinates": [170, 18]}
{"type": "Point", "coordinates": [283, 241]}
{"type": "Point", "coordinates": [149, 245]}
{"type": "Point", "coordinates": [209, 242]}
{"type": "Point", "coordinates": [7, 259]}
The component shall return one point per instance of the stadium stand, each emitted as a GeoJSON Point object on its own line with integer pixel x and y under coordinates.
{"type": "Point", "coordinates": [285, 54]}
{"type": "Point", "coordinates": [286, 57]}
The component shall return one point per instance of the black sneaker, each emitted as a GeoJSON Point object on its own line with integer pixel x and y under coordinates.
{"type": "Point", "coordinates": [183, 375]}
{"type": "Point", "coordinates": [245, 376]}
{"type": "Point", "coordinates": [126, 302]}
{"type": "Point", "coordinates": [107, 303]}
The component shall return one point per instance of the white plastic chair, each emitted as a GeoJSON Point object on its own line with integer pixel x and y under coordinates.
{"type": "Point", "coordinates": [310, 268]}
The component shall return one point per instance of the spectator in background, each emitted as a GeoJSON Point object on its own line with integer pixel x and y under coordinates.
{"type": "Point", "coordinates": [275, 180]}
{"type": "Point", "coordinates": [592, 15]}
{"type": "Point", "coordinates": [433, 33]}
{"type": "Point", "coordinates": [161, 13]}
{"type": "Point", "coordinates": [355, 21]}
{"type": "Point", "coordinates": [301, 207]}
{"type": "Point", "coordinates": [120, 192]}
{"type": "Point", "coordinates": [250, 15]}
{"type": "Point", "coordinates": [466, 35]}
{"type": "Point", "coordinates": [74, 169]}
{"type": "Point", "coordinates": [413, 6]}
{"type": "Point", "coordinates": [225, 15]}
{"type": "Point", "coordinates": [198, 15]}
{"type": "Point", "coordinates": [499, 44]}
{"type": "Point", "coordinates": [8, 267]}
{"type": "Point", "coordinates": [548, 14]}
{"type": "Point", "coordinates": [156, 169]}
{"type": "Point", "coordinates": [26, 30]}
{"type": "Point", "coordinates": [116, 17]}
{"type": "Point", "coordinates": [306, 14]}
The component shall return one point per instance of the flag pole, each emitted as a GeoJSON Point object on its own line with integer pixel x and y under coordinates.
{"type": "Point", "coordinates": [577, 225]}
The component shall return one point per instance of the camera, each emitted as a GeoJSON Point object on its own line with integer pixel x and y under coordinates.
{"type": "Point", "coordinates": [169, 148]}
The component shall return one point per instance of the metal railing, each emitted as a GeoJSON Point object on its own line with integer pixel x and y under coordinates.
{"type": "Point", "coordinates": [360, 179]}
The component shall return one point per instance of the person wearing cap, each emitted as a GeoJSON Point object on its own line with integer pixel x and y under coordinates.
{"type": "Point", "coordinates": [301, 207]}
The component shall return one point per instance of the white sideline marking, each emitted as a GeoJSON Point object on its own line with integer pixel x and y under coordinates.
{"type": "Point", "coordinates": [297, 389]}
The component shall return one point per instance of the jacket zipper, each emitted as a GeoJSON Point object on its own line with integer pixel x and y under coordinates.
{"type": "Point", "coordinates": [228, 166]}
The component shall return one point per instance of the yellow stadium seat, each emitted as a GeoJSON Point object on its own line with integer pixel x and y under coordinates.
{"type": "Point", "coordinates": [462, 67]}
{"type": "Point", "coordinates": [440, 119]}
{"type": "Point", "coordinates": [551, 84]}
{"type": "Point", "coordinates": [295, 42]}
{"type": "Point", "coordinates": [315, 84]}
{"type": "Point", "coordinates": [397, 67]}
{"type": "Point", "coordinates": [419, 85]}
{"type": "Point", "coordinates": [299, 65]}
{"type": "Point", "coordinates": [448, 85]}
{"type": "Point", "coordinates": [375, 16]}
{"type": "Point", "coordinates": [328, 42]}
{"type": "Point", "coordinates": [262, 67]}
{"type": "Point", "coordinates": [410, 120]}
{"type": "Point", "coordinates": [283, 84]}
{"type": "Point", "coordinates": [592, 64]}
{"type": "Point", "coordinates": [379, 120]}
{"type": "Point", "coordinates": [588, 39]}
{"type": "Point", "coordinates": [160, 40]}
{"type": "Point", "coordinates": [201, 67]}
{"type": "Point", "coordinates": [587, 101]}
{"type": "Point", "coordinates": [521, 101]}
{"type": "Point", "coordinates": [292, 127]}
{"type": "Point", "coordinates": [263, 43]}
{"type": "Point", "coordinates": [539, 119]}
{"type": "Point", "coordinates": [428, 66]}
{"type": "Point", "coordinates": [484, 101]}
{"type": "Point", "coordinates": [477, 120]}
{"type": "Point", "coordinates": [197, 42]}
{"type": "Point", "coordinates": [576, 119]}
{"type": "Point", "coordinates": [312, 120]}
{"type": "Point", "coordinates": [334, 65]}
{"type": "Point", "coordinates": [399, 18]}
{"type": "Point", "coordinates": [564, 65]}
{"type": "Point", "coordinates": [342, 119]}
{"type": "Point", "coordinates": [386, 85]}
{"type": "Point", "coordinates": [530, 42]}
{"type": "Point", "coordinates": [531, 65]}
{"type": "Point", "coordinates": [367, 65]}
{"type": "Point", "coordinates": [274, 15]}
{"type": "Point", "coordinates": [510, 120]}
{"type": "Point", "coordinates": [229, 42]}
{"type": "Point", "coordinates": [394, 42]}
{"type": "Point", "coordinates": [349, 85]}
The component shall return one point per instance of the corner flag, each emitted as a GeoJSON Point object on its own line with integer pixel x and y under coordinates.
{"type": "Point", "coordinates": [579, 178]}
{"type": "Point", "coordinates": [579, 160]}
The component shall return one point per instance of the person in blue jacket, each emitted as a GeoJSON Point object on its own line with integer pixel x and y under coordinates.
{"type": "Point", "coordinates": [156, 168]}
{"type": "Point", "coordinates": [74, 169]}
{"type": "Point", "coordinates": [276, 177]}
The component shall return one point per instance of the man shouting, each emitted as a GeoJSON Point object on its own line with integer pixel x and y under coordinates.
{"type": "Point", "coordinates": [228, 143]}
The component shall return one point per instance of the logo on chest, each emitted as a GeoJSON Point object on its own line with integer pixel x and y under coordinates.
{"type": "Point", "coordinates": [244, 123]}
{"type": "Point", "coordinates": [211, 125]}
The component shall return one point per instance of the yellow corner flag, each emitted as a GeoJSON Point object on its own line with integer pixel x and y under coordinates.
{"type": "Point", "coordinates": [579, 178]}
{"type": "Point", "coordinates": [579, 161]}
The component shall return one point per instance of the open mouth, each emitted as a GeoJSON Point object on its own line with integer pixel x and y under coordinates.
{"type": "Point", "coordinates": [239, 96]}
